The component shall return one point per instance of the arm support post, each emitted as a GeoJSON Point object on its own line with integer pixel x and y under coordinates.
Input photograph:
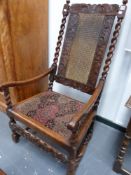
{"type": "Point", "coordinates": [73, 125]}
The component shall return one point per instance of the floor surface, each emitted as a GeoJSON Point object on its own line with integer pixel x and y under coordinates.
{"type": "Point", "coordinates": [25, 158]}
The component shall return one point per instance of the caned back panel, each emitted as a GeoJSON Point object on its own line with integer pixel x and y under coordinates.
{"type": "Point", "coordinates": [85, 43]}
{"type": "Point", "coordinates": [84, 46]}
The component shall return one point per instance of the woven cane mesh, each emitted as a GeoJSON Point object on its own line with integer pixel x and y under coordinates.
{"type": "Point", "coordinates": [84, 47]}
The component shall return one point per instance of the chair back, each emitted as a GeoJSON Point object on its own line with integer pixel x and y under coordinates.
{"type": "Point", "coordinates": [87, 35]}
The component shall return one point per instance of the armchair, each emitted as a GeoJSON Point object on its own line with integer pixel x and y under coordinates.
{"type": "Point", "coordinates": [63, 120]}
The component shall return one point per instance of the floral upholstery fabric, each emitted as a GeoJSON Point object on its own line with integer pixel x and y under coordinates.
{"type": "Point", "coordinates": [51, 109]}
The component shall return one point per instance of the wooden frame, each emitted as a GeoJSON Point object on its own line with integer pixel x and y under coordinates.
{"type": "Point", "coordinates": [109, 12]}
{"type": "Point", "coordinates": [2, 172]}
{"type": "Point", "coordinates": [25, 82]}
{"type": "Point", "coordinates": [81, 125]}
{"type": "Point", "coordinates": [118, 165]}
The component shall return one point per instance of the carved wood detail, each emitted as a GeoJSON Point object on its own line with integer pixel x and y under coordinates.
{"type": "Point", "coordinates": [34, 139]}
{"type": "Point", "coordinates": [101, 44]}
{"type": "Point", "coordinates": [106, 9]}
{"type": "Point", "coordinates": [59, 43]}
{"type": "Point", "coordinates": [7, 97]}
{"type": "Point", "coordinates": [118, 165]}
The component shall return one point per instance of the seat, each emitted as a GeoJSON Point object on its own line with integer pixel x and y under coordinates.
{"type": "Point", "coordinates": [52, 109]}
{"type": "Point", "coordinates": [58, 119]}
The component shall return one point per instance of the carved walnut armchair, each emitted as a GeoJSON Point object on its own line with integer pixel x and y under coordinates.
{"type": "Point", "coordinates": [63, 120]}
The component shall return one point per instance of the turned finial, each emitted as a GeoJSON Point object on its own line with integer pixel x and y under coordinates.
{"type": "Point", "coordinates": [125, 2]}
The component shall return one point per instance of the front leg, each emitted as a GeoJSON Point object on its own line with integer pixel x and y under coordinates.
{"type": "Point", "coordinates": [72, 164]}
{"type": "Point", "coordinates": [15, 135]}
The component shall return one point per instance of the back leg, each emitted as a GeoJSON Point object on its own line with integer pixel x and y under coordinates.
{"type": "Point", "coordinates": [90, 132]}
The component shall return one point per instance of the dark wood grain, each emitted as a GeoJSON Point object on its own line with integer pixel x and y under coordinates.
{"type": "Point", "coordinates": [2, 172]}
{"type": "Point", "coordinates": [118, 165]}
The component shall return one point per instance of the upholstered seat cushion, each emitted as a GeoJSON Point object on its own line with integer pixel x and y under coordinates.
{"type": "Point", "coordinates": [51, 109]}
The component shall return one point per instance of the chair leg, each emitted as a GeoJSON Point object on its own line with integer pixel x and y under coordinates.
{"type": "Point", "coordinates": [120, 158]}
{"type": "Point", "coordinates": [72, 164]}
{"type": "Point", "coordinates": [15, 137]}
{"type": "Point", "coordinates": [75, 158]}
{"type": "Point", "coordinates": [90, 132]}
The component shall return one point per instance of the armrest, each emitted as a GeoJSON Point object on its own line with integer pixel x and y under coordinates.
{"type": "Point", "coordinates": [87, 107]}
{"type": "Point", "coordinates": [25, 82]}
